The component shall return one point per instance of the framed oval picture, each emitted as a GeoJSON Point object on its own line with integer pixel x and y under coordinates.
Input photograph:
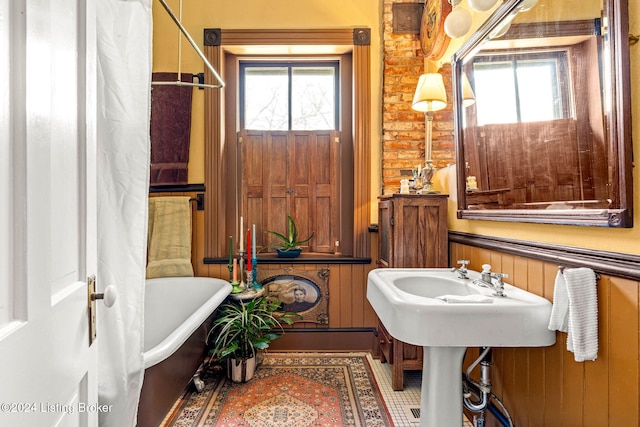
{"type": "Point", "coordinates": [433, 40]}
{"type": "Point", "coordinates": [301, 291]}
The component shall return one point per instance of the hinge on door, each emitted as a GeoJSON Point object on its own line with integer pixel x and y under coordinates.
{"type": "Point", "coordinates": [392, 222]}
{"type": "Point", "coordinates": [336, 139]}
{"type": "Point", "coordinates": [91, 307]}
{"type": "Point", "coordinates": [239, 139]}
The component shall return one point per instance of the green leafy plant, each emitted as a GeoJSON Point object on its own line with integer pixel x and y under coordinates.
{"type": "Point", "coordinates": [243, 328]}
{"type": "Point", "coordinates": [290, 240]}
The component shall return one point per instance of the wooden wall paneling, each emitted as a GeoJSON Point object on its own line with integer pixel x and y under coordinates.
{"type": "Point", "coordinates": [536, 392]}
{"type": "Point", "coordinates": [596, 384]}
{"type": "Point", "coordinates": [552, 358]}
{"type": "Point", "coordinates": [519, 389]}
{"type": "Point", "coordinates": [348, 306]}
{"type": "Point", "coordinates": [343, 296]}
{"type": "Point", "coordinates": [344, 300]}
{"type": "Point", "coordinates": [623, 359]}
{"type": "Point", "coordinates": [358, 295]}
{"type": "Point", "coordinates": [572, 385]}
{"type": "Point", "coordinates": [507, 362]}
{"type": "Point", "coordinates": [337, 276]}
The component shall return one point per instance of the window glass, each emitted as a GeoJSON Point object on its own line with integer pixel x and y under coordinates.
{"type": "Point", "coordinates": [495, 93]}
{"type": "Point", "coordinates": [313, 100]}
{"type": "Point", "coordinates": [520, 88]}
{"type": "Point", "coordinates": [289, 96]}
{"type": "Point", "coordinates": [266, 105]}
{"type": "Point", "coordinates": [538, 91]}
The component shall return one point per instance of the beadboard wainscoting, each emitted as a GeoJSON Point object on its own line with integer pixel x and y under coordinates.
{"type": "Point", "coordinates": [545, 386]}
{"type": "Point", "coordinates": [347, 283]}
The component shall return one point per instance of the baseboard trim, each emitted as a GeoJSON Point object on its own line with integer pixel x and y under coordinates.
{"type": "Point", "coordinates": [326, 339]}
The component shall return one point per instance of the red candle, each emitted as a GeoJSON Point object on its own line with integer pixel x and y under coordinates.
{"type": "Point", "coordinates": [248, 249]}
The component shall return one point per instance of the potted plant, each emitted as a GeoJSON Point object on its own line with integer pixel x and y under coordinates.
{"type": "Point", "coordinates": [243, 328]}
{"type": "Point", "coordinates": [290, 246]}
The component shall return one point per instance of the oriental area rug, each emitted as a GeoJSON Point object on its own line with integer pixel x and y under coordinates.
{"type": "Point", "coordinates": [287, 390]}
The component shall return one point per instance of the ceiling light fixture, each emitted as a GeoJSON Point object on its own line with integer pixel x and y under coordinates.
{"type": "Point", "coordinates": [458, 22]}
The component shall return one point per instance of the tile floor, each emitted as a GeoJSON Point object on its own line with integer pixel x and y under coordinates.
{"type": "Point", "coordinates": [403, 406]}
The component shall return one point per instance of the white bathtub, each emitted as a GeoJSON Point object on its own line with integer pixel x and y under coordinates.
{"type": "Point", "coordinates": [174, 308]}
{"type": "Point", "coordinates": [178, 314]}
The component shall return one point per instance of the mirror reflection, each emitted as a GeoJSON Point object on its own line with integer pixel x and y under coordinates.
{"type": "Point", "coordinates": [537, 136]}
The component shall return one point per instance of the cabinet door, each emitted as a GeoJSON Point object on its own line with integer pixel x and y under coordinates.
{"type": "Point", "coordinates": [420, 232]}
{"type": "Point", "coordinates": [385, 233]}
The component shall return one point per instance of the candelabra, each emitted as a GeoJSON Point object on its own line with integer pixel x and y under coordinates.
{"type": "Point", "coordinates": [254, 274]}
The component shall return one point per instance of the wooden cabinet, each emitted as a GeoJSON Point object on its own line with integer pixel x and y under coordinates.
{"type": "Point", "coordinates": [412, 233]}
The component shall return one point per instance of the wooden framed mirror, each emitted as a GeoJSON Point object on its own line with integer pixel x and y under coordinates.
{"type": "Point", "coordinates": [543, 115]}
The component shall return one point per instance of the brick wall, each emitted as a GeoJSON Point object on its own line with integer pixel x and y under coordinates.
{"type": "Point", "coordinates": [403, 129]}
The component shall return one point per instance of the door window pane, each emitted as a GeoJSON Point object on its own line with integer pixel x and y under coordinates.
{"type": "Point", "coordinates": [289, 96]}
{"type": "Point", "coordinates": [313, 98]}
{"type": "Point", "coordinates": [266, 105]}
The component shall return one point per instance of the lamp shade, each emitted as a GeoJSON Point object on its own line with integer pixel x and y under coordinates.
{"type": "Point", "coordinates": [430, 93]}
{"type": "Point", "coordinates": [468, 97]}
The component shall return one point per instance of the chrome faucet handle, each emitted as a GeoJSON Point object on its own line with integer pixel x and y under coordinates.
{"type": "Point", "coordinates": [499, 287]}
{"type": "Point", "coordinates": [500, 276]}
{"type": "Point", "coordinates": [463, 264]}
{"type": "Point", "coordinates": [462, 270]}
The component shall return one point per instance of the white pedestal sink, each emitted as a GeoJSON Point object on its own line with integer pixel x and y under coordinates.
{"type": "Point", "coordinates": [406, 303]}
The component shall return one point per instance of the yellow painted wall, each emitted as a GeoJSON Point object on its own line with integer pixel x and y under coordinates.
{"type": "Point", "coordinates": [258, 14]}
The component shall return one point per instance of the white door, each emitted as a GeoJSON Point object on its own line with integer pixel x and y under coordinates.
{"type": "Point", "coordinates": [47, 212]}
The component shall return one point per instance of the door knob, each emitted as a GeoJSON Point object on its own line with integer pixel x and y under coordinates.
{"type": "Point", "coordinates": [109, 296]}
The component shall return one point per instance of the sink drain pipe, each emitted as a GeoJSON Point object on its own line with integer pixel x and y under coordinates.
{"type": "Point", "coordinates": [482, 391]}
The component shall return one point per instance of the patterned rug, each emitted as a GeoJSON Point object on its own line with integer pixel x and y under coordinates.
{"type": "Point", "coordinates": [287, 390]}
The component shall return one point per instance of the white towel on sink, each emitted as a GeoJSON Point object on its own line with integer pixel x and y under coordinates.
{"type": "Point", "coordinates": [559, 320]}
{"type": "Point", "coordinates": [458, 299]}
{"type": "Point", "coordinates": [575, 311]}
{"type": "Point", "coordinates": [582, 338]}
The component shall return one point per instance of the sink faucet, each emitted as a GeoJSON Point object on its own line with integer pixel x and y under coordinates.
{"type": "Point", "coordinates": [487, 280]}
{"type": "Point", "coordinates": [462, 271]}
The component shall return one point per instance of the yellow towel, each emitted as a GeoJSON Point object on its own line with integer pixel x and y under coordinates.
{"type": "Point", "coordinates": [169, 237]}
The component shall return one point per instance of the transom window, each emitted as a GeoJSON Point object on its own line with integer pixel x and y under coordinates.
{"type": "Point", "coordinates": [281, 96]}
{"type": "Point", "coordinates": [521, 88]}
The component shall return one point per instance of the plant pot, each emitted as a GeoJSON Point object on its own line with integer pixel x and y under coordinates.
{"type": "Point", "coordinates": [241, 370]}
{"type": "Point", "coordinates": [291, 253]}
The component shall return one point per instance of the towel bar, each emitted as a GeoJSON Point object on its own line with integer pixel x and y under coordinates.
{"type": "Point", "coordinates": [562, 267]}
{"type": "Point", "coordinates": [199, 199]}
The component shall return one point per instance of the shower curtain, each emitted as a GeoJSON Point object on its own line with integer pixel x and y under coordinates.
{"type": "Point", "coordinates": [123, 108]}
